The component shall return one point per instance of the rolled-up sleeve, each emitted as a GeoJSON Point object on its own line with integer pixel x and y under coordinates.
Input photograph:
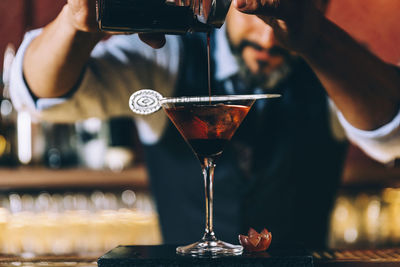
{"type": "Point", "coordinates": [382, 144]}
{"type": "Point", "coordinates": [117, 67]}
{"type": "Point", "coordinates": [20, 93]}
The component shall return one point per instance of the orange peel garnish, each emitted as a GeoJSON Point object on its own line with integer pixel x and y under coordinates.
{"type": "Point", "coordinates": [254, 241]}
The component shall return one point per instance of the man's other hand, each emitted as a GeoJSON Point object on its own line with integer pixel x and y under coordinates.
{"type": "Point", "coordinates": [295, 22]}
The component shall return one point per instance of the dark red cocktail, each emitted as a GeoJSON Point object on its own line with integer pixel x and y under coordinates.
{"type": "Point", "coordinates": [207, 128]}
{"type": "Point", "coordinates": [207, 124]}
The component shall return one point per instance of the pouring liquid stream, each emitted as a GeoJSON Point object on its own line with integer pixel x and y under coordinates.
{"type": "Point", "coordinates": [209, 65]}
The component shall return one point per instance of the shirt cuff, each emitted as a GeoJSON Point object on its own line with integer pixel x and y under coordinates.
{"type": "Point", "coordinates": [382, 144]}
{"type": "Point", "coordinates": [20, 92]}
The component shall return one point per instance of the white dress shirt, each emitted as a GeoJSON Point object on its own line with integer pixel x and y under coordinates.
{"type": "Point", "coordinates": [123, 64]}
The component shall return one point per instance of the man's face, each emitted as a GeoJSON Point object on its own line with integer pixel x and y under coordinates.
{"type": "Point", "coordinates": [254, 45]}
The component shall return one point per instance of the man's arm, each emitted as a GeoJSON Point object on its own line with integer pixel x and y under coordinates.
{"type": "Point", "coordinates": [364, 88]}
{"type": "Point", "coordinates": [54, 61]}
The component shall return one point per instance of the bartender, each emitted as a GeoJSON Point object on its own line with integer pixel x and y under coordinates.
{"type": "Point", "coordinates": [283, 166]}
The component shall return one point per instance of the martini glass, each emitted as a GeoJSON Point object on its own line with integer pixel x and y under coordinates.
{"type": "Point", "coordinates": [207, 124]}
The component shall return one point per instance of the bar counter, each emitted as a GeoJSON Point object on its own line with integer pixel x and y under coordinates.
{"type": "Point", "coordinates": [321, 258]}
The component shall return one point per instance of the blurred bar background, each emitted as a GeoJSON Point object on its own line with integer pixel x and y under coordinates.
{"type": "Point", "coordinates": [82, 188]}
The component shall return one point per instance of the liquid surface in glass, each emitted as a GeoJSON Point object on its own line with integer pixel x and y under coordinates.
{"type": "Point", "coordinates": [207, 127]}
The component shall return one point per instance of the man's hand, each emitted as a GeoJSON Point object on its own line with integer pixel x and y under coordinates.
{"type": "Point", "coordinates": [363, 87]}
{"type": "Point", "coordinates": [295, 22]}
{"type": "Point", "coordinates": [82, 16]}
{"type": "Point", "coordinates": [155, 40]}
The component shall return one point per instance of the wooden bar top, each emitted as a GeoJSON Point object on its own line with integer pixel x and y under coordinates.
{"type": "Point", "coordinates": [38, 177]}
{"type": "Point", "coordinates": [321, 258]}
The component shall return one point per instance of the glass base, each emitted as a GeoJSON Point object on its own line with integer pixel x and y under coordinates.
{"type": "Point", "coordinates": [214, 248]}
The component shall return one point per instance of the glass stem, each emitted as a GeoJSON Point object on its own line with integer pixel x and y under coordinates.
{"type": "Point", "coordinates": [208, 172]}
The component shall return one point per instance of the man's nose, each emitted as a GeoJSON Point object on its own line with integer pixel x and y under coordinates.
{"type": "Point", "coordinates": [267, 38]}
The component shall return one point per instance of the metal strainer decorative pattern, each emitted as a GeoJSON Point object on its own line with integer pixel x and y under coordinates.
{"type": "Point", "coordinates": [145, 101]}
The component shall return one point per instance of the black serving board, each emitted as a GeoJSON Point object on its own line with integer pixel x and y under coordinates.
{"type": "Point", "coordinates": [165, 255]}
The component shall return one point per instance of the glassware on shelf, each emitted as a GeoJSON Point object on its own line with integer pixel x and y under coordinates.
{"type": "Point", "coordinates": [76, 222]}
{"type": "Point", "coordinates": [8, 115]}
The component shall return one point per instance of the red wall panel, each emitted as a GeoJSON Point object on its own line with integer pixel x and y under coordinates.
{"type": "Point", "coordinates": [12, 24]}
{"type": "Point", "coordinates": [372, 22]}
{"type": "Point", "coordinates": [375, 23]}
{"type": "Point", "coordinates": [45, 11]}
{"type": "Point", "coordinates": [17, 16]}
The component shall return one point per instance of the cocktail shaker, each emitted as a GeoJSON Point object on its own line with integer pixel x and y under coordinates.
{"type": "Point", "coordinates": [163, 16]}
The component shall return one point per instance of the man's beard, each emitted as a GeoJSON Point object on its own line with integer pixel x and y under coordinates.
{"type": "Point", "coordinates": [266, 81]}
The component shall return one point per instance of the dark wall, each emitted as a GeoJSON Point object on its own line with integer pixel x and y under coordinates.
{"type": "Point", "coordinates": [17, 16]}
